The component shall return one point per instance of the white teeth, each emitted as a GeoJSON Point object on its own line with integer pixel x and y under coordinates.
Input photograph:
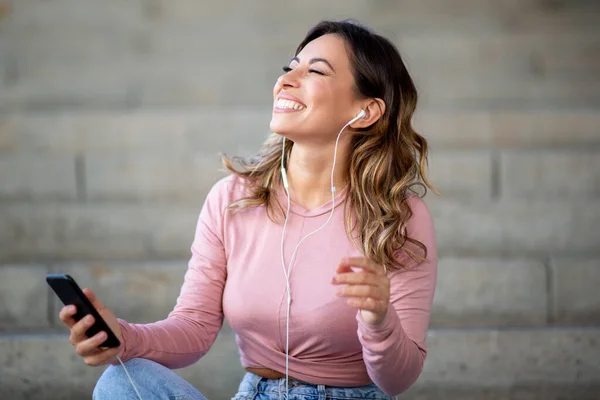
{"type": "Point", "coordinates": [282, 103]}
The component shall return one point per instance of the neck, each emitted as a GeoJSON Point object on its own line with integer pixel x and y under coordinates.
{"type": "Point", "coordinates": [309, 172]}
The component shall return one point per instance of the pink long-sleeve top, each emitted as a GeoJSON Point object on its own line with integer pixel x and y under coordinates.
{"type": "Point", "coordinates": [236, 272]}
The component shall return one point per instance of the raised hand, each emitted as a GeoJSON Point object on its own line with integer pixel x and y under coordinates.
{"type": "Point", "coordinates": [367, 289]}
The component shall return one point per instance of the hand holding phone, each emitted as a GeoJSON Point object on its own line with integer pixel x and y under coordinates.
{"type": "Point", "coordinates": [95, 331]}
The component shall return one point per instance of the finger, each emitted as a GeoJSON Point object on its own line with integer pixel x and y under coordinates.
{"type": "Point", "coordinates": [361, 291]}
{"type": "Point", "coordinates": [361, 262]}
{"type": "Point", "coordinates": [101, 358]}
{"type": "Point", "coordinates": [66, 315]}
{"type": "Point", "coordinates": [91, 346]}
{"type": "Point", "coordinates": [93, 299]}
{"type": "Point", "coordinates": [367, 304]}
{"type": "Point", "coordinates": [366, 278]}
{"type": "Point", "coordinates": [78, 330]}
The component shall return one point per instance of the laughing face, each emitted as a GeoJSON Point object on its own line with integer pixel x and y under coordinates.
{"type": "Point", "coordinates": [315, 96]}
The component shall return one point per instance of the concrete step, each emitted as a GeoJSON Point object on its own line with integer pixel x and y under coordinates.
{"type": "Point", "coordinates": [210, 130]}
{"type": "Point", "coordinates": [462, 364]}
{"type": "Point", "coordinates": [470, 54]}
{"type": "Point", "coordinates": [134, 230]}
{"type": "Point", "coordinates": [184, 175]}
{"type": "Point", "coordinates": [172, 155]}
{"type": "Point", "coordinates": [471, 292]}
{"type": "Point", "coordinates": [435, 15]}
{"type": "Point", "coordinates": [174, 176]}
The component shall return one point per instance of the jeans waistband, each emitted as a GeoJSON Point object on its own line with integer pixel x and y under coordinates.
{"type": "Point", "coordinates": [253, 384]}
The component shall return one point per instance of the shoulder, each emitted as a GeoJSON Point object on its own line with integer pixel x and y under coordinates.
{"type": "Point", "coordinates": [224, 192]}
{"type": "Point", "coordinates": [227, 190]}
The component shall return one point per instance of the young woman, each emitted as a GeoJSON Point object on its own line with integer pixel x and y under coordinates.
{"type": "Point", "coordinates": [318, 251]}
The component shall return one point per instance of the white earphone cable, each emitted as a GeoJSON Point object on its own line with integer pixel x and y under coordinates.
{"type": "Point", "coordinates": [130, 380]}
{"type": "Point", "coordinates": [288, 270]}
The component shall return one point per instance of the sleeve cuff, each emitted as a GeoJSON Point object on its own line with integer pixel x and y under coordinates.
{"type": "Point", "coordinates": [126, 337]}
{"type": "Point", "coordinates": [382, 331]}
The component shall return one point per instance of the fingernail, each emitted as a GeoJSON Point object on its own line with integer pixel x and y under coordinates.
{"type": "Point", "coordinates": [333, 280]}
{"type": "Point", "coordinates": [88, 319]}
{"type": "Point", "coordinates": [71, 309]}
{"type": "Point", "coordinates": [102, 335]}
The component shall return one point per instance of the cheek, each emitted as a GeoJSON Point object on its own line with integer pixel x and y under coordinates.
{"type": "Point", "coordinates": [320, 93]}
{"type": "Point", "coordinates": [327, 99]}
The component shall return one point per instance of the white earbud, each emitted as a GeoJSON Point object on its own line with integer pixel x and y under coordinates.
{"type": "Point", "coordinates": [360, 115]}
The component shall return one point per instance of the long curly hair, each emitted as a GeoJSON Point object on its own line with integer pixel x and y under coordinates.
{"type": "Point", "coordinates": [388, 160]}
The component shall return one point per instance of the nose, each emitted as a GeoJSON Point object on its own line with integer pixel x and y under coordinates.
{"type": "Point", "coordinates": [289, 79]}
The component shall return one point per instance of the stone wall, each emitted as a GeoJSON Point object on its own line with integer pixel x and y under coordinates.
{"type": "Point", "coordinates": [113, 113]}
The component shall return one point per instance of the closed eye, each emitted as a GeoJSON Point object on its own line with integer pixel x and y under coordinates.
{"type": "Point", "coordinates": [287, 69]}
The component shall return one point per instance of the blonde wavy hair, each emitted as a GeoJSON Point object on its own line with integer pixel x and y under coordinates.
{"type": "Point", "coordinates": [388, 159]}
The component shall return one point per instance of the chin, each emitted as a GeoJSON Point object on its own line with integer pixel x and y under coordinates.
{"type": "Point", "coordinates": [279, 127]}
{"type": "Point", "coordinates": [290, 129]}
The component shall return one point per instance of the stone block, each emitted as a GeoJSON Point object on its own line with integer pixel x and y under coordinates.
{"type": "Point", "coordinates": [200, 83]}
{"type": "Point", "coordinates": [456, 130]}
{"type": "Point", "coordinates": [206, 131]}
{"type": "Point", "coordinates": [32, 13]}
{"type": "Point", "coordinates": [575, 289]}
{"type": "Point", "coordinates": [535, 391]}
{"type": "Point", "coordinates": [72, 55]}
{"type": "Point", "coordinates": [135, 292]}
{"type": "Point", "coordinates": [551, 56]}
{"type": "Point", "coordinates": [464, 174]}
{"type": "Point", "coordinates": [173, 177]}
{"type": "Point", "coordinates": [96, 231]}
{"type": "Point", "coordinates": [23, 297]}
{"type": "Point", "coordinates": [491, 92]}
{"type": "Point", "coordinates": [551, 174]}
{"type": "Point", "coordinates": [510, 130]}
{"type": "Point", "coordinates": [44, 366]}
{"type": "Point", "coordinates": [489, 292]}
{"type": "Point", "coordinates": [37, 177]}
{"type": "Point", "coordinates": [513, 357]}
{"type": "Point", "coordinates": [515, 227]}
{"type": "Point", "coordinates": [545, 128]}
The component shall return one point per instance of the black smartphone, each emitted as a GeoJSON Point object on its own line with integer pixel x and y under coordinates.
{"type": "Point", "coordinates": [70, 293]}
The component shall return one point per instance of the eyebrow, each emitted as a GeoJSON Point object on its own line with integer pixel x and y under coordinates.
{"type": "Point", "coordinates": [315, 60]}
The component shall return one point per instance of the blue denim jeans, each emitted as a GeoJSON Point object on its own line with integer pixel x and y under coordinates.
{"type": "Point", "coordinates": [157, 382]}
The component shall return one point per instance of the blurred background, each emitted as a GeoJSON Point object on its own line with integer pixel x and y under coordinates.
{"type": "Point", "coordinates": [113, 113]}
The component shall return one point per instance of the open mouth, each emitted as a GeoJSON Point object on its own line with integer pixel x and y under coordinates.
{"type": "Point", "coordinates": [285, 105]}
